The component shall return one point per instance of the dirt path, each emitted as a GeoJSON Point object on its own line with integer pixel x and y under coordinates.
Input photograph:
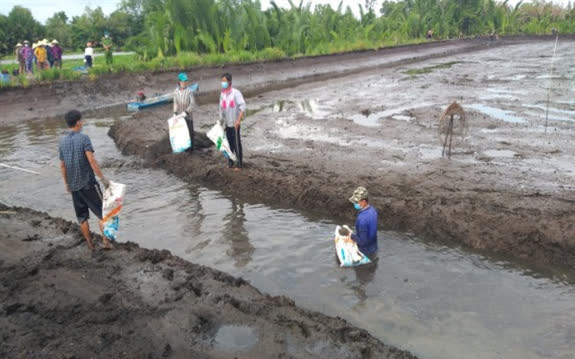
{"type": "Point", "coordinates": [60, 301]}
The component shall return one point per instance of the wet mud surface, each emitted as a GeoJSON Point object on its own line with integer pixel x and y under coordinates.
{"type": "Point", "coordinates": [60, 300]}
{"type": "Point", "coordinates": [507, 188]}
{"type": "Point", "coordinates": [111, 92]}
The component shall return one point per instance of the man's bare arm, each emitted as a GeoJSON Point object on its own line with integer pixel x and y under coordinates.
{"type": "Point", "coordinates": [63, 168]}
{"type": "Point", "coordinates": [96, 167]}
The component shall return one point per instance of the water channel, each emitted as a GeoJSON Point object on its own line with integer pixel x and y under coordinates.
{"type": "Point", "coordinates": [435, 300]}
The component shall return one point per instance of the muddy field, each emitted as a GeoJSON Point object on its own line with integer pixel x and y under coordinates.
{"type": "Point", "coordinates": [316, 129]}
{"type": "Point", "coordinates": [507, 188]}
{"type": "Point", "coordinates": [58, 300]}
{"type": "Point", "coordinates": [111, 92]}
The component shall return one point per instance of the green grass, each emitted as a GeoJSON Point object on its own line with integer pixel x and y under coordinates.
{"type": "Point", "coordinates": [186, 60]}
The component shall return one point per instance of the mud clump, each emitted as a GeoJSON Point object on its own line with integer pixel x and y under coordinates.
{"type": "Point", "coordinates": [63, 302]}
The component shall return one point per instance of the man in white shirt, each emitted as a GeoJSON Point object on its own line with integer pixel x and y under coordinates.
{"type": "Point", "coordinates": [88, 54]}
{"type": "Point", "coordinates": [232, 111]}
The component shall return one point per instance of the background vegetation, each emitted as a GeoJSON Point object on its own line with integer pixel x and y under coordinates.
{"type": "Point", "coordinates": [181, 33]}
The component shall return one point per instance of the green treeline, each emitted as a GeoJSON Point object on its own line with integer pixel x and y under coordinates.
{"type": "Point", "coordinates": [158, 28]}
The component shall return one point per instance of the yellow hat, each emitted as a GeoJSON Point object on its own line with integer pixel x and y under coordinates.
{"type": "Point", "coordinates": [18, 45]}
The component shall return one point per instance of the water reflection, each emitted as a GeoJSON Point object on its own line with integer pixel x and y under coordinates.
{"type": "Point", "coordinates": [235, 233]}
{"type": "Point", "coordinates": [364, 275]}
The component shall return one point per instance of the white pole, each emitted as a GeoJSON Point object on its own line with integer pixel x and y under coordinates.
{"type": "Point", "coordinates": [550, 84]}
{"type": "Point", "coordinates": [19, 169]}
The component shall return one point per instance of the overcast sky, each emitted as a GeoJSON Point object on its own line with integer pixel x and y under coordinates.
{"type": "Point", "coordinates": [43, 9]}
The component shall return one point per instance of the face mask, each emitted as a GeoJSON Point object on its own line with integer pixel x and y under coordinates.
{"type": "Point", "coordinates": [357, 206]}
{"type": "Point", "coordinates": [225, 85]}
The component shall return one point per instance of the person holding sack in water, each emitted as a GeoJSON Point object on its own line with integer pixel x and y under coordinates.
{"type": "Point", "coordinates": [232, 110]}
{"type": "Point", "coordinates": [184, 102]}
{"type": "Point", "coordinates": [366, 224]}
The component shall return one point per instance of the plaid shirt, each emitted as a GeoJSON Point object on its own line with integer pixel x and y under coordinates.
{"type": "Point", "coordinates": [73, 147]}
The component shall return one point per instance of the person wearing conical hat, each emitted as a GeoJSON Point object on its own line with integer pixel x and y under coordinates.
{"type": "Point", "coordinates": [28, 55]}
{"type": "Point", "coordinates": [41, 56]}
{"type": "Point", "coordinates": [48, 46]}
{"type": "Point", "coordinates": [366, 223]}
{"type": "Point", "coordinates": [57, 53]}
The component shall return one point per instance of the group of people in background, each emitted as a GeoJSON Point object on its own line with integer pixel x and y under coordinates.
{"type": "Point", "coordinates": [42, 55]}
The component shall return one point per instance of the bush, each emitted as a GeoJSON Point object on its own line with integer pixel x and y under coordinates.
{"type": "Point", "coordinates": [188, 59]}
{"type": "Point", "coordinates": [272, 53]}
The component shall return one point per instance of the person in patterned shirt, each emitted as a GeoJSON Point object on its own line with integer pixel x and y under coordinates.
{"type": "Point", "coordinates": [78, 167]}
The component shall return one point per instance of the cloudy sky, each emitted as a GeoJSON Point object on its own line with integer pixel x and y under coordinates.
{"type": "Point", "coordinates": [43, 9]}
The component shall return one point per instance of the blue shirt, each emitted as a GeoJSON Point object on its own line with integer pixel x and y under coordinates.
{"type": "Point", "coordinates": [73, 147]}
{"type": "Point", "coordinates": [366, 230]}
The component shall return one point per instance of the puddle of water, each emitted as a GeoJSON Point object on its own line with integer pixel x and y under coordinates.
{"type": "Point", "coordinates": [402, 117]}
{"type": "Point", "coordinates": [434, 300]}
{"type": "Point", "coordinates": [551, 109]}
{"type": "Point", "coordinates": [372, 120]}
{"type": "Point", "coordinates": [500, 153]}
{"type": "Point", "coordinates": [497, 113]}
{"type": "Point", "coordinates": [234, 338]}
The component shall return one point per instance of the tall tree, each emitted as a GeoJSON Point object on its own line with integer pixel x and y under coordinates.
{"type": "Point", "coordinates": [57, 27]}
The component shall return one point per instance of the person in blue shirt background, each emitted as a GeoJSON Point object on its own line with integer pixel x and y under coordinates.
{"type": "Point", "coordinates": [366, 223]}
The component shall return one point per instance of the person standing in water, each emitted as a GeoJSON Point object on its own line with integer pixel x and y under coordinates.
{"type": "Point", "coordinates": [232, 112]}
{"type": "Point", "coordinates": [366, 224]}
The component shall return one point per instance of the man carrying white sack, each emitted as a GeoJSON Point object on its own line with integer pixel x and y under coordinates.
{"type": "Point", "coordinates": [366, 224]}
{"type": "Point", "coordinates": [184, 102]}
{"type": "Point", "coordinates": [78, 167]}
{"type": "Point", "coordinates": [232, 111]}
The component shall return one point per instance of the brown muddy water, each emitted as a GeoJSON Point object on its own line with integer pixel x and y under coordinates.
{"type": "Point", "coordinates": [434, 300]}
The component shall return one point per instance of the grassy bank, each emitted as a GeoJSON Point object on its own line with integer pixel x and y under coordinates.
{"type": "Point", "coordinates": [185, 60]}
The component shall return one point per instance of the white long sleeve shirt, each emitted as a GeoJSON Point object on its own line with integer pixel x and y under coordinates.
{"type": "Point", "coordinates": [231, 104]}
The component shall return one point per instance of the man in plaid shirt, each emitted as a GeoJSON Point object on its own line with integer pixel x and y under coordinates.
{"type": "Point", "coordinates": [78, 167]}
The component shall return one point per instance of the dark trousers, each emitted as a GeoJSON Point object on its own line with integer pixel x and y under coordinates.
{"type": "Point", "coordinates": [88, 60]}
{"type": "Point", "coordinates": [235, 142]}
{"type": "Point", "coordinates": [190, 124]}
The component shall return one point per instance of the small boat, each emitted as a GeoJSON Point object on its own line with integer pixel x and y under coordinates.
{"type": "Point", "coordinates": [157, 100]}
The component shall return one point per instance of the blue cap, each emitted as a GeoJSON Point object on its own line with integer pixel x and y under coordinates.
{"type": "Point", "coordinates": [182, 77]}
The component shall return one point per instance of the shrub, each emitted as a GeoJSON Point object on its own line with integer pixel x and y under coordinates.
{"type": "Point", "coordinates": [271, 53]}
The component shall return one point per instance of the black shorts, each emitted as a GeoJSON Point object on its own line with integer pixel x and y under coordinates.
{"type": "Point", "coordinates": [87, 199]}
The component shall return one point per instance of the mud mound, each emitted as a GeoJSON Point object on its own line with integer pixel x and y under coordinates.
{"type": "Point", "coordinates": [437, 205]}
{"type": "Point", "coordinates": [60, 301]}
